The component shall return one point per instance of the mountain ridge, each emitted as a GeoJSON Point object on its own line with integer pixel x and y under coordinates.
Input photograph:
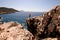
{"type": "Point", "coordinates": [5, 10]}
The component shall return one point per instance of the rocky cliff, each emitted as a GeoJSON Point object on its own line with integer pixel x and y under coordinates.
{"type": "Point", "coordinates": [47, 25]}
{"type": "Point", "coordinates": [14, 31]}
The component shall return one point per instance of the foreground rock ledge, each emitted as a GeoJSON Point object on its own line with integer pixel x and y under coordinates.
{"type": "Point", "coordinates": [14, 31]}
{"type": "Point", "coordinates": [47, 25]}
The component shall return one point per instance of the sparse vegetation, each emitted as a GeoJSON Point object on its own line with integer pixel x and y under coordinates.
{"type": "Point", "coordinates": [4, 10]}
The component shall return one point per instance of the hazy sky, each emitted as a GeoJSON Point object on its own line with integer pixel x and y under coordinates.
{"type": "Point", "coordinates": [30, 5]}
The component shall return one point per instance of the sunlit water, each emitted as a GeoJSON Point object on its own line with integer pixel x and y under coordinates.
{"type": "Point", "coordinates": [19, 17]}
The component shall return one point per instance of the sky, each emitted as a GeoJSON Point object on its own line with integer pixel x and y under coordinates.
{"type": "Point", "coordinates": [30, 5]}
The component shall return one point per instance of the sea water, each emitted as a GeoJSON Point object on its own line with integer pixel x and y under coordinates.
{"type": "Point", "coordinates": [19, 17]}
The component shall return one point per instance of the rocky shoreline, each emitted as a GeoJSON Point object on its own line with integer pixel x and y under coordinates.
{"type": "Point", "coordinates": [46, 26]}
{"type": "Point", "coordinates": [14, 31]}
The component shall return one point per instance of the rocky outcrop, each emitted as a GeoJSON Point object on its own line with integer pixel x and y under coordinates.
{"type": "Point", "coordinates": [14, 31]}
{"type": "Point", "coordinates": [47, 25]}
{"type": "Point", "coordinates": [50, 39]}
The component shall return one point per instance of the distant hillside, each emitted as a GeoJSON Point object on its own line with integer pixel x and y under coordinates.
{"type": "Point", "coordinates": [4, 10]}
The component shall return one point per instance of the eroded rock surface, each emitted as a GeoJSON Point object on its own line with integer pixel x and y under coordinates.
{"type": "Point", "coordinates": [14, 31]}
{"type": "Point", "coordinates": [50, 39]}
{"type": "Point", "coordinates": [47, 25]}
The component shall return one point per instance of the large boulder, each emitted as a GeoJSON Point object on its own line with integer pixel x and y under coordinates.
{"type": "Point", "coordinates": [14, 31]}
{"type": "Point", "coordinates": [47, 25]}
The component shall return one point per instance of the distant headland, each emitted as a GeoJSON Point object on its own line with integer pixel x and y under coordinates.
{"type": "Point", "coordinates": [5, 10]}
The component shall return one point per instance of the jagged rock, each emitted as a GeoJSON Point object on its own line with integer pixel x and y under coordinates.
{"type": "Point", "coordinates": [14, 31]}
{"type": "Point", "coordinates": [50, 39]}
{"type": "Point", "coordinates": [34, 25]}
{"type": "Point", "coordinates": [47, 25]}
{"type": "Point", "coordinates": [1, 23]}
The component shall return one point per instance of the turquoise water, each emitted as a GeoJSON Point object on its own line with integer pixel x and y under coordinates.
{"type": "Point", "coordinates": [19, 17]}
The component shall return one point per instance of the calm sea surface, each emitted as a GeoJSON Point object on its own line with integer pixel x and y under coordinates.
{"type": "Point", "coordinates": [19, 17]}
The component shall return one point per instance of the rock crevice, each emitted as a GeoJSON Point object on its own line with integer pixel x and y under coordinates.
{"type": "Point", "coordinates": [47, 25]}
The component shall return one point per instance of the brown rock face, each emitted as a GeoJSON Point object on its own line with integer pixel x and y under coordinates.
{"type": "Point", "coordinates": [47, 25]}
{"type": "Point", "coordinates": [14, 31]}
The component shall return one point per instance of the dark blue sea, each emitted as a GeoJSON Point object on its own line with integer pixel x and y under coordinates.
{"type": "Point", "coordinates": [19, 17]}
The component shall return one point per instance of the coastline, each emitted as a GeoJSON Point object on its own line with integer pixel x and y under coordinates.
{"type": "Point", "coordinates": [45, 27]}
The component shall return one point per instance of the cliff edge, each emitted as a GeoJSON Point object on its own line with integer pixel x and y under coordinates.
{"type": "Point", "coordinates": [46, 26]}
